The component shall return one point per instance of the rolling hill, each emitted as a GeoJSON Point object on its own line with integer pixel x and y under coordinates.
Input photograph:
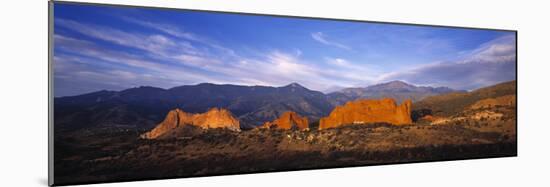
{"type": "Point", "coordinates": [452, 103]}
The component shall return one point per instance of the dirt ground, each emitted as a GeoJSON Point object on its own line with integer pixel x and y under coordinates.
{"type": "Point", "coordinates": [105, 155]}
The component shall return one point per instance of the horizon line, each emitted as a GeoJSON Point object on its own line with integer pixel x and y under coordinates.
{"type": "Point", "coordinates": [272, 86]}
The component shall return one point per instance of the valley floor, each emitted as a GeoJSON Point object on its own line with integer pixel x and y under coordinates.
{"type": "Point", "coordinates": [119, 155]}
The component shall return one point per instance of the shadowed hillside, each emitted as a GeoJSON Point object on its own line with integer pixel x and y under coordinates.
{"type": "Point", "coordinates": [143, 107]}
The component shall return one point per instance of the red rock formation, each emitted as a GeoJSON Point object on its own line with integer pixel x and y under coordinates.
{"type": "Point", "coordinates": [368, 111]}
{"type": "Point", "coordinates": [214, 118]}
{"type": "Point", "coordinates": [288, 120]}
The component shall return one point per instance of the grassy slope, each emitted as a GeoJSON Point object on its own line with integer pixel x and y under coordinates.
{"type": "Point", "coordinates": [453, 103]}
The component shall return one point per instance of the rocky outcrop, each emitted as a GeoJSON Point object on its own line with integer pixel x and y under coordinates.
{"type": "Point", "coordinates": [176, 119]}
{"type": "Point", "coordinates": [288, 120]}
{"type": "Point", "coordinates": [507, 100]}
{"type": "Point", "coordinates": [365, 111]}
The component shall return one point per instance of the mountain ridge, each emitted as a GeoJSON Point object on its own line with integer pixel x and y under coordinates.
{"type": "Point", "coordinates": [397, 90]}
{"type": "Point", "coordinates": [143, 107]}
{"type": "Point", "coordinates": [149, 104]}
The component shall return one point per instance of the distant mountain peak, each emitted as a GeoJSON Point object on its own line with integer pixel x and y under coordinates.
{"type": "Point", "coordinates": [144, 88]}
{"type": "Point", "coordinates": [393, 85]}
{"type": "Point", "coordinates": [206, 84]}
{"type": "Point", "coordinates": [396, 82]}
{"type": "Point", "coordinates": [397, 89]}
{"type": "Point", "coordinates": [294, 85]}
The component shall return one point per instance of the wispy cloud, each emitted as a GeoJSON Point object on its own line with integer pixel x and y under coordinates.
{"type": "Point", "coordinates": [357, 73]}
{"type": "Point", "coordinates": [79, 62]}
{"type": "Point", "coordinates": [167, 55]}
{"type": "Point", "coordinates": [491, 63]}
{"type": "Point", "coordinates": [87, 64]}
{"type": "Point", "coordinates": [180, 33]}
{"type": "Point", "coordinates": [156, 44]}
{"type": "Point", "coordinates": [167, 29]}
{"type": "Point", "coordinates": [322, 38]}
{"type": "Point", "coordinates": [278, 68]}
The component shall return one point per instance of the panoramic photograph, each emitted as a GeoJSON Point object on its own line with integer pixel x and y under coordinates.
{"type": "Point", "coordinates": [148, 93]}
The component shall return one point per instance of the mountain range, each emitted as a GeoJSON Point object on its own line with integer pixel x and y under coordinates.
{"type": "Point", "coordinates": [397, 90]}
{"type": "Point", "coordinates": [143, 107]}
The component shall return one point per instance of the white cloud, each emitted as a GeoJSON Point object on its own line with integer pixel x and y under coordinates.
{"type": "Point", "coordinates": [341, 62]}
{"type": "Point", "coordinates": [96, 55]}
{"type": "Point", "coordinates": [500, 50]}
{"type": "Point", "coordinates": [168, 29]}
{"type": "Point", "coordinates": [156, 44]}
{"type": "Point", "coordinates": [491, 63]}
{"type": "Point", "coordinates": [358, 74]}
{"type": "Point", "coordinates": [278, 68]}
{"type": "Point", "coordinates": [320, 37]}
{"type": "Point", "coordinates": [272, 69]}
{"type": "Point", "coordinates": [160, 47]}
{"type": "Point", "coordinates": [179, 33]}
{"type": "Point", "coordinates": [173, 57]}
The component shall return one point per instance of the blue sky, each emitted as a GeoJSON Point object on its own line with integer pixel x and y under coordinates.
{"type": "Point", "coordinates": [115, 48]}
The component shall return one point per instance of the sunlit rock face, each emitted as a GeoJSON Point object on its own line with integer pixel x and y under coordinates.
{"type": "Point", "coordinates": [288, 120]}
{"type": "Point", "coordinates": [364, 111]}
{"type": "Point", "coordinates": [213, 118]}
